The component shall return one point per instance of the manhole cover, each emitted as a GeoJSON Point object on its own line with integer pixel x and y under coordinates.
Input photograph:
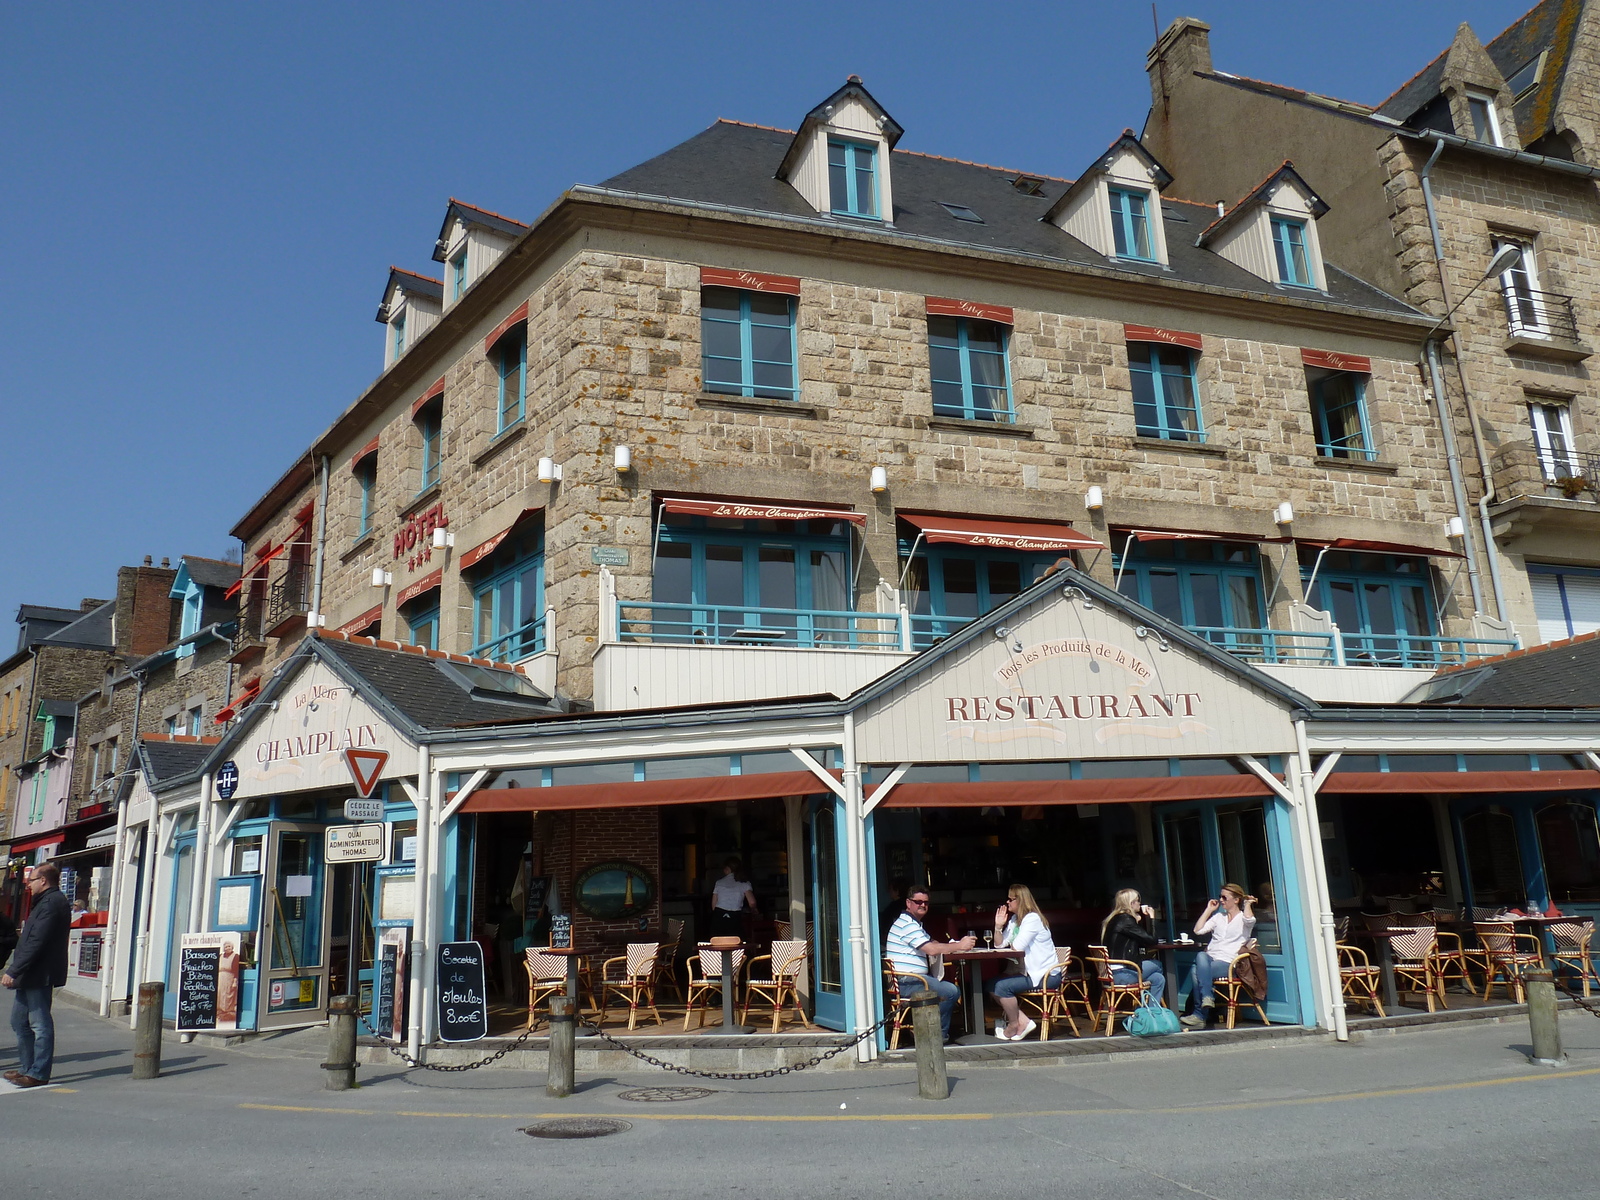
{"type": "Point", "coordinates": [662, 1095]}
{"type": "Point", "coordinates": [577, 1127]}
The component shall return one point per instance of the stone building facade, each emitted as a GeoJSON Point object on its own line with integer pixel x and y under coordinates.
{"type": "Point", "coordinates": [1503, 135]}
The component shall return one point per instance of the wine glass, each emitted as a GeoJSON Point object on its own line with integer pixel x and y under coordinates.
{"type": "Point", "coordinates": [988, 939]}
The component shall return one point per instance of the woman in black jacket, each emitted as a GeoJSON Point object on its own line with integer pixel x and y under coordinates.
{"type": "Point", "coordinates": [1128, 933]}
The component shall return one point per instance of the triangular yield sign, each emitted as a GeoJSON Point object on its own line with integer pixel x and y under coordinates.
{"type": "Point", "coordinates": [365, 767]}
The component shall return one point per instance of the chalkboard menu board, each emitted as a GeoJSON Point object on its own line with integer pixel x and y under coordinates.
{"type": "Point", "coordinates": [89, 954]}
{"type": "Point", "coordinates": [383, 992]}
{"type": "Point", "coordinates": [208, 982]}
{"type": "Point", "coordinates": [463, 993]}
{"type": "Point", "coordinates": [538, 893]}
{"type": "Point", "coordinates": [561, 931]}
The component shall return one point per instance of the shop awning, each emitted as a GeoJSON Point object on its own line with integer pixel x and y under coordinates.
{"type": "Point", "coordinates": [1349, 783]}
{"type": "Point", "coordinates": [1196, 535]}
{"type": "Point", "coordinates": [34, 843]}
{"type": "Point", "coordinates": [648, 794]}
{"type": "Point", "coordinates": [251, 691]}
{"type": "Point", "coordinates": [483, 549]}
{"type": "Point", "coordinates": [427, 583]}
{"type": "Point", "coordinates": [1071, 791]}
{"type": "Point", "coordinates": [748, 510]}
{"type": "Point", "coordinates": [1044, 536]}
{"type": "Point", "coordinates": [1380, 547]}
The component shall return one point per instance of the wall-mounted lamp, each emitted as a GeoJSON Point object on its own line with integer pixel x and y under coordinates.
{"type": "Point", "coordinates": [442, 537]}
{"type": "Point", "coordinates": [1094, 499]}
{"type": "Point", "coordinates": [878, 480]}
{"type": "Point", "coordinates": [1144, 631]}
{"type": "Point", "coordinates": [622, 460]}
{"type": "Point", "coordinates": [381, 578]}
{"type": "Point", "coordinates": [550, 471]}
{"type": "Point", "coordinates": [1002, 634]}
{"type": "Point", "coordinates": [1284, 514]}
{"type": "Point", "coordinates": [1454, 529]}
{"type": "Point", "coordinates": [316, 621]}
{"type": "Point", "coordinates": [1078, 594]}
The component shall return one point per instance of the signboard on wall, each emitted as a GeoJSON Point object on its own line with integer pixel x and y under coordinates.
{"type": "Point", "coordinates": [208, 982]}
{"type": "Point", "coordinates": [302, 744]}
{"type": "Point", "coordinates": [462, 992]}
{"type": "Point", "coordinates": [353, 843]}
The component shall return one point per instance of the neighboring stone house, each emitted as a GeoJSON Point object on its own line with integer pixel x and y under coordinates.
{"type": "Point", "coordinates": [774, 392]}
{"type": "Point", "coordinates": [1505, 135]}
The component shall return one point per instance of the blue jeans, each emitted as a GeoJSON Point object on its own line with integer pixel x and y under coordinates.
{"type": "Point", "coordinates": [1015, 985]}
{"type": "Point", "coordinates": [946, 991]}
{"type": "Point", "coordinates": [35, 1030]}
{"type": "Point", "coordinates": [1153, 975]}
{"type": "Point", "coordinates": [1207, 971]}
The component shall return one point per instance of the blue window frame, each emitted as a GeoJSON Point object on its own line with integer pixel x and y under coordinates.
{"type": "Point", "coordinates": [1211, 587]}
{"type": "Point", "coordinates": [511, 368]}
{"type": "Point", "coordinates": [398, 325]}
{"type": "Point", "coordinates": [430, 422]}
{"type": "Point", "coordinates": [852, 178]}
{"type": "Point", "coordinates": [948, 585]}
{"type": "Point", "coordinates": [967, 360]}
{"type": "Point", "coordinates": [508, 601]}
{"type": "Point", "coordinates": [1130, 224]}
{"type": "Point", "coordinates": [748, 343]}
{"type": "Point", "coordinates": [422, 627]}
{"type": "Point", "coordinates": [1380, 602]}
{"type": "Point", "coordinates": [1289, 244]}
{"type": "Point", "coordinates": [366, 473]}
{"type": "Point", "coordinates": [752, 581]}
{"type": "Point", "coordinates": [458, 274]}
{"type": "Point", "coordinates": [1339, 413]}
{"type": "Point", "coordinates": [1166, 403]}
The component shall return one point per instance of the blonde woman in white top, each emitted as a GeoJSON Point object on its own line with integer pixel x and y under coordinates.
{"type": "Point", "coordinates": [1019, 925]}
{"type": "Point", "coordinates": [1229, 919]}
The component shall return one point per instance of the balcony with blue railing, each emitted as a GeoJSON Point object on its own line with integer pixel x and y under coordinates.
{"type": "Point", "coordinates": [742, 625]}
{"type": "Point", "coordinates": [518, 644]}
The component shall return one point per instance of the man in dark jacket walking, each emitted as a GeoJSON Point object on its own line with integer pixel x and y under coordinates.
{"type": "Point", "coordinates": [37, 968]}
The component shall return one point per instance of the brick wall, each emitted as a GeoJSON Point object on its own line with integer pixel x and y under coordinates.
{"type": "Point", "coordinates": [577, 841]}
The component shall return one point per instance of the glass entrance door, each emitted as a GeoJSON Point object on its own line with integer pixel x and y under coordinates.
{"type": "Point", "coordinates": [294, 929]}
{"type": "Point", "coordinates": [827, 934]}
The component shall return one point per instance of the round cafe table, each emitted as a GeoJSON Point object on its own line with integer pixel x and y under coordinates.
{"type": "Point", "coordinates": [573, 957]}
{"type": "Point", "coordinates": [730, 981]}
{"type": "Point", "coordinates": [971, 964]}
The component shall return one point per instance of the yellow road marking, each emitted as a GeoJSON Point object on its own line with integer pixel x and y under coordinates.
{"type": "Point", "coordinates": [1339, 1098]}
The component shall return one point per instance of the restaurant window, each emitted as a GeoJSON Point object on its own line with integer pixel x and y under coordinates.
{"type": "Point", "coordinates": [1247, 861]}
{"type": "Point", "coordinates": [968, 368]}
{"type": "Point", "coordinates": [720, 580]}
{"type": "Point", "coordinates": [511, 372]}
{"type": "Point", "coordinates": [1187, 882]}
{"type": "Point", "coordinates": [1380, 602]}
{"type": "Point", "coordinates": [508, 601]}
{"type": "Point", "coordinates": [945, 587]}
{"type": "Point", "coordinates": [422, 622]}
{"type": "Point", "coordinates": [1211, 587]}
{"type": "Point", "coordinates": [1489, 838]}
{"type": "Point", "coordinates": [852, 178]}
{"type": "Point", "coordinates": [747, 343]}
{"type": "Point", "coordinates": [1339, 414]}
{"type": "Point", "coordinates": [1569, 841]}
{"type": "Point", "coordinates": [403, 841]}
{"type": "Point", "coordinates": [1166, 402]}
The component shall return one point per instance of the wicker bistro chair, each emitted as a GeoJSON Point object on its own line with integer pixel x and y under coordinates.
{"type": "Point", "coordinates": [633, 981]}
{"type": "Point", "coordinates": [1115, 996]}
{"type": "Point", "coordinates": [705, 977]}
{"type": "Point", "coordinates": [1510, 954]}
{"type": "Point", "coordinates": [780, 982]}
{"type": "Point", "coordinates": [1358, 978]}
{"type": "Point", "coordinates": [1455, 960]}
{"type": "Point", "coordinates": [1415, 953]}
{"type": "Point", "coordinates": [1051, 1003]}
{"type": "Point", "coordinates": [1233, 993]}
{"type": "Point", "coordinates": [897, 1001]}
{"type": "Point", "coordinates": [1572, 950]}
{"type": "Point", "coordinates": [667, 960]}
{"type": "Point", "coordinates": [547, 976]}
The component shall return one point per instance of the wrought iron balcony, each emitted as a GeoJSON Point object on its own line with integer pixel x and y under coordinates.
{"type": "Point", "coordinates": [1541, 315]}
{"type": "Point", "coordinates": [288, 599]}
{"type": "Point", "coordinates": [1573, 472]}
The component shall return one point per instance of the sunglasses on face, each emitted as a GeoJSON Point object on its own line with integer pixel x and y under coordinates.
{"type": "Point", "coordinates": [918, 903]}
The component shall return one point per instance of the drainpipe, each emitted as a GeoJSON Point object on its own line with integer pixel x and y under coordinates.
{"type": "Point", "coordinates": [322, 543]}
{"type": "Point", "coordinates": [856, 860]}
{"type": "Point", "coordinates": [1453, 459]}
{"type": "Point", "coordinates": [1466, 395]}
{"type": "Point", "coordinates": [1317, 863]}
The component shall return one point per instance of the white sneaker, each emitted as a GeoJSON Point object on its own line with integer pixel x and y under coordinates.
{"type": "Point", "coordinates": [1192, 1021]}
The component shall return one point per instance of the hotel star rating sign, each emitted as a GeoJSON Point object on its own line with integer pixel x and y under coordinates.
{"type": "Point", "coordinates": [365, 767]}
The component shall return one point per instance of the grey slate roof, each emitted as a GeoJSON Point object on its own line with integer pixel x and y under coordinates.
{"type": "Point", "coordinates": [212, 572]}
{"type": "Point", "coordinates": [167, 760]}
{"type": "Point", "coordinates": [736, 165]}
{"type": "Point", "coordinates": [1559, 675]}
{"type": "Point", "coordinates": [90, 631]}
{"type": "Point", "coordinates": [422, 688]}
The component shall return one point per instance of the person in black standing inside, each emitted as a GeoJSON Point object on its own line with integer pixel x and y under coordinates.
{"type": "Point", "coordinates": [38, 967]}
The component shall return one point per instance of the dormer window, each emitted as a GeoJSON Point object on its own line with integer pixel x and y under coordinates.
{"type": "Point", "coordinates": [1130, 223]}
{"type": "Point", "coordinates": [411, 306]}
{"type": "Point", "coordinates": [397, 327]}
{"type": "Point", "coordinates": [471, 241]}
{"type": "Point", "coordinates": [1289, 246]}
{"type": "Point", "coordinates": [852, 189]}
{"type": "Point", "coordinates": [458, 274]}
{"type": "Point", "coordinates": [1485, 120]}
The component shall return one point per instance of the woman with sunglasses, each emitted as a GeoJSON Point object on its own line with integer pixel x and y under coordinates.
{"type": "Point", "coordinates": [1229, 919]}
{"type": "Point", "coordinates": [1128, 934]}
{"type": "Point", "coordinates": [1019, 925]}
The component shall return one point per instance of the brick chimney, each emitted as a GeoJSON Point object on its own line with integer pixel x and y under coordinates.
{"type": "Point", "coordinates": [1185, 47]}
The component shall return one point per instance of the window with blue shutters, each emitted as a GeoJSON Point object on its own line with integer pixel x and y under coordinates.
{"type": "Point", "coordinates": [852, 178]}
{"type": "Point", "coordinates": [970, 375]}
{"type": "Point", "coordinates": [748, 343]}
{"type": "Point", "coordinates": [1289, 244]}
{"type": "Point", "coordinates": [1130, 224]}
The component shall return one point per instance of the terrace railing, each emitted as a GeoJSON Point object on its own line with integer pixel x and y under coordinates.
{"type": "Point", "coordinates": [1535, 314]}
{"type": "Point", "coordinates": [743, 625]}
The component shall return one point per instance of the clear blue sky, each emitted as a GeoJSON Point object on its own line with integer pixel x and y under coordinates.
{"type": "Point", "coordinates": [203, 201]}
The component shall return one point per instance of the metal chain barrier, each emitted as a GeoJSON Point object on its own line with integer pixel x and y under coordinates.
{"type": "Point", "coordinates": [396, 1049]}
{"type": "Point", "coordinates": [1589, 1006]}
{"type": "Point", "coordinates": [770, 1073]}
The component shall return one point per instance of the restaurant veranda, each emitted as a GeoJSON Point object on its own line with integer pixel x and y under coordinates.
{"type": "Point", "coordinates": [1069, 740]}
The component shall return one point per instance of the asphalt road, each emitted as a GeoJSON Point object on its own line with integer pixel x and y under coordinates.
{"type": "Point", "coordinates": [1451, 1111]}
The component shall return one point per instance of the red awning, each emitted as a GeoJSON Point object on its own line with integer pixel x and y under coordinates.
{"type": "Point", "coordinates": [426, 584]}
{"type": "Point", "coordinates": [648, 794]}
{"type": "Point", "coordinates": [251, 691]}
{"type": "Point", "coordinates": [1072, 791]}
{"type": "Point", "coordinates": [265, 557]}
{"type": "Point", "coordinates": [48, 839]}
{"type": "Point", "coordinates": [1381, 547]}
{"type": "Point", "coordinates": [1356, 782]}
{"type": "Point", "coordinates": [1197, 535]}
{"type": "Point", "coordinates": [483, 549]}
{"type": "Point", "coordinates": [1007, 535]}
{"type": "Point", "coordinates": [745, 510]}
{"type": "Point", "coordinates": [365, 619]}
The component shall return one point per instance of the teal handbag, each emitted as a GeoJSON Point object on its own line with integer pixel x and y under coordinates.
{"type": "Point", "coordinates": [1150, 1019]}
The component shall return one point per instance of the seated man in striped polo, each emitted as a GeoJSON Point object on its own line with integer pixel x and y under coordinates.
{"type": "Point", "coordinates": [910, 948]}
